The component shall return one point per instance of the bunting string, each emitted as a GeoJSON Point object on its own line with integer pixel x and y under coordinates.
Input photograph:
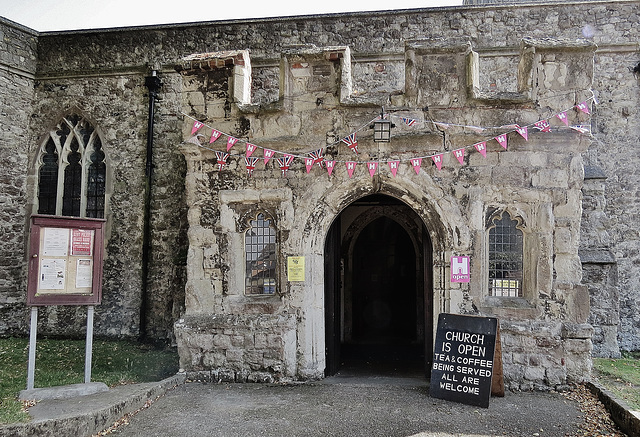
{"type": "Point", "coordinates": [316, 156]}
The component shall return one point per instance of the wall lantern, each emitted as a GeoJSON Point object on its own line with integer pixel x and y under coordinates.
{"type": "Point", "coordinates": [382, 128]}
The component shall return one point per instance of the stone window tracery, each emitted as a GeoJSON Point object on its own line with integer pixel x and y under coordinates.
{"type": "Point", "coordinates": [72, 171]}
{"type": "Point", "coordinates": [260, 256]}
{"type": "Point", "coordinates": [506, 251]}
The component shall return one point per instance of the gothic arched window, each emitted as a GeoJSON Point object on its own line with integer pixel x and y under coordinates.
{"type": "Point", "coordinates": [260, 256]}
{"type": "Point", "coordinates": [505, 256]}
{"type": "Point", "coordinates": [72, 171]}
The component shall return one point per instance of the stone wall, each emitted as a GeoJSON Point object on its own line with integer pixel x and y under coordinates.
{"type": "Point", "coordinates": [17, 69]}
{"type": "Point", "coordinates": [101, 75]}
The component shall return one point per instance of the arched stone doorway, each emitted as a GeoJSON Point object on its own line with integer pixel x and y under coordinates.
{"type": "Point", "coordinates": [378, 288]}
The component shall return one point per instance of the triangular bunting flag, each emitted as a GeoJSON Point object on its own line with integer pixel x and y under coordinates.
{"type": "Point", "coordinates": [194, 139]}
{"type": "Point", "coordinates": [317, 156]}
{"type": "Point", "coordinates": [416, 163]}
{"type": "Point", "coordinates": [222, 159]}
{"type": "Point", "coordinates": [437, 160]}
{"type": "Point", "coordinates": [372, 166]}
{"type": "Point", "coordinates": [524, 132]}
{"type": "Point", "coordinates": [582, 129]}
{"type": "Point", "coordinates": [196, 127]}
{"type": "Point", "coordinates": [408, 121]}
{"type": "Point", "coordinates": [583, 107]}
{"type": "Point", "coordinates": [250, 149]}
{"type": "Point", "coordinates": [251, 164]}
{"type": "Point", "coordinates": [351, 166]}
{"type": "Point", "coordinates": [543, 125]}
{"type": "Point", "coordinates": [330, 165]}
{"type": "Point", "coordinates": [393, 166]}
{"type": "Point", "coordinates": [482, 148]}
{"type": "Point", "coordinates": [214, 136]}
{"type": "Point", "coordinates": [459, 153]}
{"type": "Point", "coordinates": [502, 139]}
{"type": "Point", "coordinates": [563, 117]}
{"type": "Point", "coordinates": [308, 162]}
{"type": "Point", "coordinates": [268, 154]}
{"type": "Point", "coordinates": [352, 142]}
{"type": "Point", "coordinates": [230, 142]}
{"type": "Point", "coordinates": [284, 163]}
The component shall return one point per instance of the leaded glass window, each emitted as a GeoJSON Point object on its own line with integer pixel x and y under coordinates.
{"type": "Point", "coordinates": [260, 257]}
{"type": "Point", "coordinates": [72, 173]}
{"type": "Point", "coordinates": [505, 256]}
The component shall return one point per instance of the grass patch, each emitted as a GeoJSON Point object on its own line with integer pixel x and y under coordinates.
{"type": "Point", "coordinates": [61, 362]}
{"type": "Point", "coordinates": [621, 376]}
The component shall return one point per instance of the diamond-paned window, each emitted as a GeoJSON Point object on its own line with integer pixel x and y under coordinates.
{"type": "Point", "coordinates": [260, 257]}
{"type": "Point", "coordinates": [505, 256]}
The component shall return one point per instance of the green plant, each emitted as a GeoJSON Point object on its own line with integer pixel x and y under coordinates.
{"type": "Point", "coordinates": [61, 362]}
{"type": "Point", "coordinates": [621, 376]}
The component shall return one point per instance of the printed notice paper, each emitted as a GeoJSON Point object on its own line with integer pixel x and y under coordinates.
{"type": "Point", "coordinates": [295, 268]}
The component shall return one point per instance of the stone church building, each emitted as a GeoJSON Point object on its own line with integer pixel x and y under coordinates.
{"type": "Point", "coordinates": [284, 195]}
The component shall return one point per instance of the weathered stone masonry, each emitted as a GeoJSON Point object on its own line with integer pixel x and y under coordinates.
{"type": "Point", "coordinates": [305, 82]}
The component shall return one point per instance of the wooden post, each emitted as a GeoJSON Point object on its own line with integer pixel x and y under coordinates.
{"type": "Point", "coordinates": [497, 382]}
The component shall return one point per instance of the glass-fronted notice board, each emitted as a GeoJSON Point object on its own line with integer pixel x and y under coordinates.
{"type": "Point", "coordinates": [65, 261]}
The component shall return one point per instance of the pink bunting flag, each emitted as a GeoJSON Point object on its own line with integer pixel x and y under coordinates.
{"type": "Point", "coordinates": [284, 163]}
{"type": "Point", "coordinates": [459, 154]}
{"type": "Point", "coordinates": [563, 117]}
{"type": "Point", "coordinates": [250, 149]}
{"type": "Point", "coordinates": [196, 127]}
{"type": "Point", "coordinates": [416, 163]}
{"type": "Point", "coordinates": [393, 166]}
{"type": "Point", "coordinates": [352, 142]}
{"type": "Point", "coordinates": [330, 165]}
{"type": "Point", "coordinates": [230, 142]}
{"type": "Point", "coordinates": [351, 166]}
{"type": "Point", "coordinates": [317, 156]}
{"type": "Point", "coordinates": [437, 160]}
{"type": "Point", "coordinates": [543, 125]}
{"type": "Point", "coordinates": [502, 139]}
{"type": "Point", "coordinates": [524, 133]}
{"type": "Point", "coordinates": [214, 136]}
{"type": "Point", "coordinates": [482, 148]}
{"type": "Point", "coordinates": [222, 159]}
{"type": "Point", "coordinates": [251, 164]}
{"type": "Point", "coordinates": [372, 166]}
{"type": "Point", "coordinates": [583, 107]}
{"type": "Point", "coordinates": [268, 154]}
{"type": "Point", "coordinates": [308, 162]}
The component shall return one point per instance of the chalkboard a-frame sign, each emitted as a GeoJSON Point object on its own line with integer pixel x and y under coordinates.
{"type": "Point", "coordinates": [463, 359]}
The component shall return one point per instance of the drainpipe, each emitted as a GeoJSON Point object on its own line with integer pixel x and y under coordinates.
{"type": "Point", "coordinates": [153, 84]}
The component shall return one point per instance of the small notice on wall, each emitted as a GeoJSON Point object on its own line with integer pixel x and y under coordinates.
{"type": "Point", "coordinates": [463, 359]}
{"type": "Point", "coordinates": [460, 269]}
{"type": "Point", "coordinates": [295, 269]}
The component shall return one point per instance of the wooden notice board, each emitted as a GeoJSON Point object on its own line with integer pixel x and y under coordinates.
{"type": "Point", "coordinates": [65, 261]}
{"type": "Point", "coordinates": [463, 359]}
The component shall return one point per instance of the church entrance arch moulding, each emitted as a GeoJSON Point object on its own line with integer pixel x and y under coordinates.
{"type": "Point", "coordinates": [416, 219]}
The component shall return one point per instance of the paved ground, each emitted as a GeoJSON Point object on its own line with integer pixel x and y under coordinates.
{"type": "Point", "coordinates": [346, 406]}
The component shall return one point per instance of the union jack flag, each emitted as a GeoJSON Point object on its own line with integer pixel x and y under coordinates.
{"type": "Point", "coordinates": [352, 142]}
{"type": "Point", "coordinates": [251, 164]}
{"type": "Point", "coordinates": [318, 157]}
{"type": "Point", "coordinates": [284, 163]}
{"type": "Point", "coordinates": [409, 121]}
{"type": "Point", "coordinates": [222, 159]}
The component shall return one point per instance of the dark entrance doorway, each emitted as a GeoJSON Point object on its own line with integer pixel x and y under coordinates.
{"type": "Point", "coordinates": [378, 289]}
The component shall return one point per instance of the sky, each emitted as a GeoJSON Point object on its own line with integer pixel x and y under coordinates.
{"type": "Point", "coordinates": [52, 15]}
